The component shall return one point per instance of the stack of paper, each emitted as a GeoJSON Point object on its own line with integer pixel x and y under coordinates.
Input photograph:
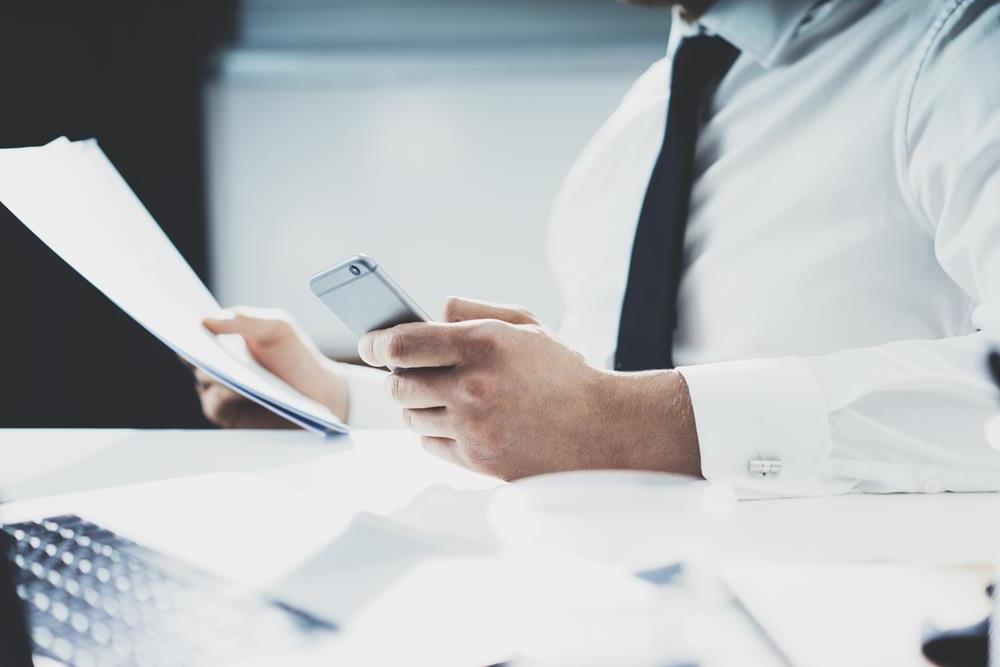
{"type": "Point", "coordinates": [71, 197]}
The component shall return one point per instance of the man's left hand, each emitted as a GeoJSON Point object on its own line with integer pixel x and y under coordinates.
{"type": "Point", "coordinates": [493, 390]}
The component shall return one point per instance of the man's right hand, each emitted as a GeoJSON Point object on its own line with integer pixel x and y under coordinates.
{"type": "Point", "coordinates": [281, 347]}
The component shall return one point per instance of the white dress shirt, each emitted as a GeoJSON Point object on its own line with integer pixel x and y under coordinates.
{"type": "Point", "coordinates": [842, 278]}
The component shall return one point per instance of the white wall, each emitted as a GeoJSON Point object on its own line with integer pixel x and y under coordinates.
{"type": "Point", "coordinates": [441, 165]}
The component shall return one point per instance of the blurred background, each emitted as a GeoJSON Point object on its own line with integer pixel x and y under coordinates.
{"type": "Point", "coordinates": [271, 138]}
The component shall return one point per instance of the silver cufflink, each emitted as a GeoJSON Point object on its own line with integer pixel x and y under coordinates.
{"type": "Point", "coordinates": [765, 467]}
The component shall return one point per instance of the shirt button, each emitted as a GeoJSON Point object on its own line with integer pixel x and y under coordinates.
{"type": "Point", "coordinates": [933, 486]}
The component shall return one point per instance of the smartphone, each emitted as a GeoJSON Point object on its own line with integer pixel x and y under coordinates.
{"type": "Point", "coordinates": [364, 297]}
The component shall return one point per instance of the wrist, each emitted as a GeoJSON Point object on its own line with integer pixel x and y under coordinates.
{"type": "Point", "coordinates": [333, 390]}
{"type": "Point", "coordinates": [650, 422]}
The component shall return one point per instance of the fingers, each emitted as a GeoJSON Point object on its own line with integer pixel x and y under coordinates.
{"type": "Point", "coordinates": [256, 324]}
{"type": "Point", "coordinates": [430, 422]}
{"type": "Point", "coordinates": [460, 310]}
{"type": "Point", "coordinates": [417, 345]}
{"type": "Point", "coordinates": [419, 388]}
{"type": "Point", "coordinates": [224, 407]}
{"type": "Point", "coordinates": [444, 448]}
{"type": "Point", "coordinates": [452, 451]}
{"type": "Point", "coordinates": [203, 380]}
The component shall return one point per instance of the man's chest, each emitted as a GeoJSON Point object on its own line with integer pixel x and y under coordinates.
{"type": "Point", "coordinates": [800, 235]}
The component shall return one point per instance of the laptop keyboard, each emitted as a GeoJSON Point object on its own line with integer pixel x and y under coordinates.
{"type": "Point", "coordinates": [95, 598]}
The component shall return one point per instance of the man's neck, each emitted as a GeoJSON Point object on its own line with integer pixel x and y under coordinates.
{"type": "Point", "coordinates": [693, 9]}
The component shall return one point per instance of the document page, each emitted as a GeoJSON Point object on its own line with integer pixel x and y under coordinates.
{"type": "Point", "coordinates": [73, 199]}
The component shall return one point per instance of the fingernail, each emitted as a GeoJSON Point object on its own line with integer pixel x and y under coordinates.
{"type": "Point", "coordinates": [222, 316]}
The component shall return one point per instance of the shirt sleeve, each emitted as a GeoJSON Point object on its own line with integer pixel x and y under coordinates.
{"type": "Point", "coordinates": [367, 404]}
{"type": "Point", "coordinates": [907, 416]}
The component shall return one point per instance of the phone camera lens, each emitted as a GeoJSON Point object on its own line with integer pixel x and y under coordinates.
{"type": "Point", "coordinates": [355, 270]}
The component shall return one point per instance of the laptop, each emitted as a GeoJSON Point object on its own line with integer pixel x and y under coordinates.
{"type": "Point", "coordinates": [74, 591]}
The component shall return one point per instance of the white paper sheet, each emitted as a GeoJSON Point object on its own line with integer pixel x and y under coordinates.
{"type": "Point", "coordinates": [71, 197]}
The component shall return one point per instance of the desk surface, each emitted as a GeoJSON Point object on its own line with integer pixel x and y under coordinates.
{"type": "Point", "coordinates": [623, 523]}
{"type": "Point", "coordinates": [387, 473]}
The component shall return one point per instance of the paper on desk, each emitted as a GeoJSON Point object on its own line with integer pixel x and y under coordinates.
{"type": "Point", "coordinates": [72, 198]}
{"type": "Point", "coordinates": [824, 614]}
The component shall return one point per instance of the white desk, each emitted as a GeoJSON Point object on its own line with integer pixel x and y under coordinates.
{"type": "Point", "coordinates": [387, 473]}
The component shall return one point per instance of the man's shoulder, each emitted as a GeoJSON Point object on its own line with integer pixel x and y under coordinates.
{"type": "Point", "coordinates": [963, 26]}
{"type": "Point", "coordinates": [959, 58]}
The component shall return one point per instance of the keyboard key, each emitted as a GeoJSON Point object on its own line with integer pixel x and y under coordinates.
{"type": "Point", "coordinates": [42, 636]}
{"type": "Point", "coordinates": [41, 601]}
{"type": "Point", "coordinates": [60, 612]}
{"type": "Point", "coordinates": [62, 649]}
{"type": "Point", "coordinates": [92, 597]}
{"type": "Point", "coordinates": [100, 633]}
{"type": "Point", "coordinates": [80, 622]}
{"type": "Point", "coordinates": [111, 606]}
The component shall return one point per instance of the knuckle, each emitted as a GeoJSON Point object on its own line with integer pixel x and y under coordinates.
{"type": "Point", "coordinates": [433, 445]}
{"type": "Point", "coordinates": [395, 346]}
{"type": "Point", "coordinates": [397, 386]}
{"type": "Point", "coordinates": [225, 413]}
{"type": "Point", "coordinates": [278, 325]}
{"type": "Point", "coordinates": [366, 348]}
{"type": "Point", "coordinates": [526, 314]}
{"type": "Point", "coordinates": [452, 308]}
{"type": "Point", "coordinates": [408, 419]}
{"type": "Point", "coordinates": [483, 339]}
{"type": "Point", "coordinates": [535, 329]}
{"type": "Point", "coordinates": [474, 390]}
{"type": "Point", "coordinates": [281, 324]}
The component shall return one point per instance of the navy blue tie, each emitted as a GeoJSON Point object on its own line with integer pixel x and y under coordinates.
{"type": "Point", "coordinates": [649, 311]}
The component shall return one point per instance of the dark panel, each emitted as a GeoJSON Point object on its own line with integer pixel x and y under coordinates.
{"type": "Point", "coordinates": [129, 74]}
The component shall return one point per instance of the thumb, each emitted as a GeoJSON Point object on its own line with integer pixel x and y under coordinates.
{"type": "Point", "coordinates": [459, 310]}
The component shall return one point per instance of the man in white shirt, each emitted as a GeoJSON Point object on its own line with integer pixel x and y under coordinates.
{"type": "Point", "coordinates": [838, 263]}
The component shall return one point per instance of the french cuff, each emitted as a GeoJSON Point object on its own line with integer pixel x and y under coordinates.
{"type": "Point", "coordinates": [763, 427]}
{"type": "Point", "coordinates": [367, 404]}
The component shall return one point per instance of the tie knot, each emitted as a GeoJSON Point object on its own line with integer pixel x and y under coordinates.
{"type": "Point", "coordinates": [700, 61]}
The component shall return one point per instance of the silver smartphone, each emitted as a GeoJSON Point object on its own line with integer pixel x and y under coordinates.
{"type": "Point", "coordinates": [364, 297]}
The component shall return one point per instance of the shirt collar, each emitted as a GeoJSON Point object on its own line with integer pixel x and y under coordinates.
{"type": "Point", "coordinates": [758, 28]}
